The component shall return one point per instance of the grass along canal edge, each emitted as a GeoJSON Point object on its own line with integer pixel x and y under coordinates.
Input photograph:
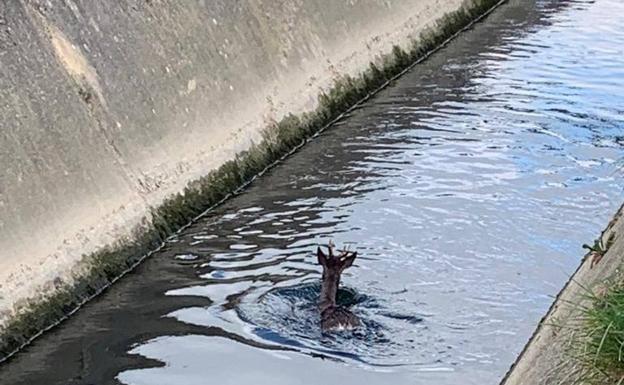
{"type": "Point", "coordinates": [600, 346]}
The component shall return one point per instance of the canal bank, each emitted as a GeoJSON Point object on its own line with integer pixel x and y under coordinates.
{"type": "Point", "coordinates": [110, 127]}
{"type": "Point", "coordinates": [554, 354]}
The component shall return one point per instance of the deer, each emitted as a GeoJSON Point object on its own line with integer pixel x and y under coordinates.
{"type": "Point", "coordinates": [334, 317]}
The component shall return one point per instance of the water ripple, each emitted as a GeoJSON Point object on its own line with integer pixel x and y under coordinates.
{"type": "Point", "coordinates": [467, 189]}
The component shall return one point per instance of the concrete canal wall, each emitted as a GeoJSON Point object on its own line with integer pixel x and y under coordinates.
{"type": "Point", "coordinates": [549, 358]}
{"type": "Point", "coordinates": [110, 109]}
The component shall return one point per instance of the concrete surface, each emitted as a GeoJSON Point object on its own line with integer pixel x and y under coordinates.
{"type": "Point", "coordinates": [546, 358]}
{"type": "Point", "coordinates": [107, 108]}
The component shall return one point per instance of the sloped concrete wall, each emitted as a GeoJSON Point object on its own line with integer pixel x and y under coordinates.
{"type": "Point", "coordinates": [548, 357]}
{"type": "Point", "coordinates": [107, 108]}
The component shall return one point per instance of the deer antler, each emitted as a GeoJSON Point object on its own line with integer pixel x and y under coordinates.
{"type": "Point", "coordinates": [330, 247]}
{"type": "Point", "coordinates": [345, 252]}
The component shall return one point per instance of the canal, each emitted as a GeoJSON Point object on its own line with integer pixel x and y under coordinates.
{"type": "Point", "coordinates": [467, 188]}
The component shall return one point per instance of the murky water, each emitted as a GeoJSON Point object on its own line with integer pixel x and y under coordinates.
{"type": "Point", "coordinates": [467, 189]}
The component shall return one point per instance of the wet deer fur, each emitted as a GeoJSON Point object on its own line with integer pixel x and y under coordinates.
{"type": "Point", "coordinates": [334, 317]}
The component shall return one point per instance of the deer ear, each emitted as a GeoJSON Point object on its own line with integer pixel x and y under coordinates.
{"type": "Point", "coordinates": [348, 261]}
{"type": "Point", "coordinates": [322, 258]}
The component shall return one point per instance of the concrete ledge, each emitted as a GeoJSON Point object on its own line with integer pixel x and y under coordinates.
{"type": "Point", "coordinates": [113, 122]}
{"type": "Point", "coordinates": [547, 357]}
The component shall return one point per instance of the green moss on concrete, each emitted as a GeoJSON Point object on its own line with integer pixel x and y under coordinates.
{"type": "Point", "coordinates": [280, 139]}
{"type": "Point", "coordinates": [101, 269]}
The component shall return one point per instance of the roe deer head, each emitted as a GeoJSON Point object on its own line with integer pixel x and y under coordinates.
{"type": "Point", "coordinates": [334, 317]}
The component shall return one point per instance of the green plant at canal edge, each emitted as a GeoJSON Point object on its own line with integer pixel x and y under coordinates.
{"type": "Point", "coordinates": [601, 347]}
{"type": "Point", "coordinates": [599, 246]}
{"type": "Point", "coordinates": [599, 249]}
{"type": "Point", "coordinates": [100, 269]}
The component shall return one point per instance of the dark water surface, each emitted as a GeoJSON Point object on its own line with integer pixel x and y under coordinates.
{"type": "Point", "coordinates": [467, 189]}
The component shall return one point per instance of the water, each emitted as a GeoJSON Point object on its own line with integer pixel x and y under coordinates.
{"type": "Point", "coordinates": [467, 188]}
